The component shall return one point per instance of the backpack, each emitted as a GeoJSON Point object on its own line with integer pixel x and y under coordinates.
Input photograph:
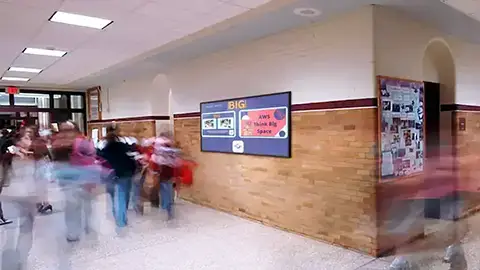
{"type": "Point", "coordinates": [83, 152]}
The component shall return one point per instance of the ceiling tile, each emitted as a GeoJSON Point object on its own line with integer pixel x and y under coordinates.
{"type": "Point", "coordinates": [14, 25]}
{"type": "Point", "coordinates": [34, 61]}
{"type": "Point", "coordinates": [82, 62]}
{"type": "Point", "coordinates": [61, 36]}
{"type": "Point", "coordinates": [179, 10]}
{"type": "Point", "coordinates": [247, 3]}
{"type": "Point", "coordinates": [106, 9]}
{"type": "Point", "coordinates": [219, 14]}
{"type": "Point", "coordinates": [466, 6]}
{"type": "Point", "coordinates": [8, 53]}
{"type": "Point", "coordinates": [43, 5]}
{"type": "Point", "coordinates": [19, 74]}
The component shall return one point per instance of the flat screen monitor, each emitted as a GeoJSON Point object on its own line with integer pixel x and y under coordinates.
{"type": "Point", "coordinates": [256, 125]}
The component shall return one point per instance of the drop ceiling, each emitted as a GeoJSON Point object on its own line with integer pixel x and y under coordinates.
{"type": "Point", "coordinates": [139, 26]}
{"type": "Point", "coordinates": [152, 35]}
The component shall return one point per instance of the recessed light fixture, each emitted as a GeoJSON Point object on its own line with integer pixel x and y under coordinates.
{"type": "Point", "coordinates": [18, 79]}
{"type": "Point", "coordinates": [80, 20]}
{"type": "Point", "coordinates": [22, 69]}
{"type": "Point", "coordinates": [45, 52]}
{"type": "Point", "coordinates": [307, 12]}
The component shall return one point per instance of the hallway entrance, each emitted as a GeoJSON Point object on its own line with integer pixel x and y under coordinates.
{"type": "Point", "coordinates": [41, 108]}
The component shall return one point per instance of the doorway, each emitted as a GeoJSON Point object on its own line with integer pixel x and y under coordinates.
{"type": "Point", "coordinates": [432, 123]}
{"type": "Point", "coordinates": [432, 139]}
{"type": "Point", "coordinates": [439, 77]}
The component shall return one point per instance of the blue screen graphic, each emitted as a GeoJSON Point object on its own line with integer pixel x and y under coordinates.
{"type": "Point", "coordinates": [258, 125]}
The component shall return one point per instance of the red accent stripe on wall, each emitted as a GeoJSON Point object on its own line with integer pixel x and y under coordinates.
{"type": "Point", "coordinates": [459, 107]}
{"type": "Point", "coordinates": [131, 119]}
{"type": "Point", "coordinates": [337, 104]}
{"type": "Point", "coordinates": [329, 105]}
{"type": "Point", "coordinates": [186, 115]}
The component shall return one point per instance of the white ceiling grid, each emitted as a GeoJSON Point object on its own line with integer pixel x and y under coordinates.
{"type": "Point", "coordinates": [139, 26]}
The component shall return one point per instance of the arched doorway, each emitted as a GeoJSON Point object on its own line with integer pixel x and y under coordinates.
{"type": "Point", "coordinates": [439, 77]}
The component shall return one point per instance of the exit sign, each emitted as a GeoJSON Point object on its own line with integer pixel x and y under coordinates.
{"type": "Point", "coordinates": [12, 90]}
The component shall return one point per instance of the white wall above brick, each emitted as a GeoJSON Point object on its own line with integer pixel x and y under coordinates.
{"type": "Point", "coordinates": [322, 62]}
{"type": "Point", "coordinates": [143, 96]}
{"type": "Point", "coordinates": [333, 60]}
{"type": "Point", "coordinates": [400, 45]}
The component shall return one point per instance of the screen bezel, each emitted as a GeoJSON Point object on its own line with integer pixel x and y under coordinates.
{"type": "Point", "coordinates": [289, 115]}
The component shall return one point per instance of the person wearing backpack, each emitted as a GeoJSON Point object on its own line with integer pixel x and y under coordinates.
{"type": "Point", "coordinates": [165, 157]}
{"type": "Point", "coordinates": [124, 166]}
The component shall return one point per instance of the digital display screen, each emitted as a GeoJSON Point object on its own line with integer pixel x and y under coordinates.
{"type": "Point", "coordinates": [257, 125]}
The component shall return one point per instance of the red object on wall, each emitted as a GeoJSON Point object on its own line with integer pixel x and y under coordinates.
{"type": "Point", "coordinates": [185, 172]}
{"type": "Point", "coordinates": [12, 90]}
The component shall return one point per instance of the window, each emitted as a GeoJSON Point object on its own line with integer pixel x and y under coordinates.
{"type": "Point", "coordinates": [78, 118]}
{"type": "Point", "coordinates": [76, 102]}
{"type": "Point", "coordinates": [4, 99]}
{"type": "Point", "coordinates": [36, 100]}
{"type": "Point", "coordinates": [60, 102]}
{"type": "Point", "coordinates": [44, 120]}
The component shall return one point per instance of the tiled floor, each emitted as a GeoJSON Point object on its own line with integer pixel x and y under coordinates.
{"type": "Point", "coordinates": [201, 238]}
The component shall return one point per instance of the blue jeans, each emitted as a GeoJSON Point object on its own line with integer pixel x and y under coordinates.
{"type": "Point", "coordinates": [166, 196]}
{"type": "Point", "coordinates": [120, 199]}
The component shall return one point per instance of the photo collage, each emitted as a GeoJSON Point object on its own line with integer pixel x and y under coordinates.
{"type": "Point", "coordinates": [221, 125]}
{"type": "Point", "coordinates": [402, 128]}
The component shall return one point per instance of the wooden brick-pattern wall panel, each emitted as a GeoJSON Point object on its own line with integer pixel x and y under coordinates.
{"type": "Point", "coordinates": [326, 190]}
{"type": "Point", "coordinates": [468, 158]}
{"type": "Point", "coordinates": [136, 129]}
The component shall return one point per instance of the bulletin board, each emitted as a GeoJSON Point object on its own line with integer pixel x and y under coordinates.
{"type": "Point", "coordinates": [401, 127]}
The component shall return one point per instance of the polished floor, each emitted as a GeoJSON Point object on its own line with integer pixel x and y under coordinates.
{"type": "Point", "coordinates": [202, 238]}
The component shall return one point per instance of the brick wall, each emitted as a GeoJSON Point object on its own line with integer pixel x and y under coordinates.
{"type": "Point", "coordinates": [468, 158]}
{"type": "Point", "coordinates": [326, 190]}
{"type": "Point", "coordinates": [137, 129]}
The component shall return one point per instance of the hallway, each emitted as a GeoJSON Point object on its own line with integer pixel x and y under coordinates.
{"type": "Point", "coordinates": [202, 238]}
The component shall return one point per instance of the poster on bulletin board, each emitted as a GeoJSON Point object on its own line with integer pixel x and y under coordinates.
{"type": "Point", "coordinates": [402, 127]}
{"type": "Point", "coordinates": [256, 125]}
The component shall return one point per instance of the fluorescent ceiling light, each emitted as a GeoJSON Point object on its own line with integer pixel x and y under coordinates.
{"type": "Point", "coordinates": [15, 79]}
{"type": "Point", "coordinates": [80, 20]}
{"type": "Point", "coordinates": [45, 52]}
{"type": "Point", "coordinates": [22, 69]}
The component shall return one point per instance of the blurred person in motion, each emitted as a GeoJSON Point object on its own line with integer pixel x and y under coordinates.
{"type": "Point", "coordinates": [437, 197]}
{"type": "Point", "coordinates": [165, 157]}
{"type": "Point", "coordinates": [149, 168]}
{"type": "Point", "coordinates": [22, 193]}
{"type": "Point", "coordinates": [41, 154]}
{"type": "Point", "coordinates": [116, 154]}
{"type": "Point", "coordinates": [7, 140]}
{"type": "Point", "coordinates": [6, 160]}
{"type": "Point", "coordinates": [184, 171]}
{"type": "Point", "coordinates": [77, 173]}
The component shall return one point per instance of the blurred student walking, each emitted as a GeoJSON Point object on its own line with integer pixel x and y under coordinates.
{"type": "Point", "coordinates": [123, 165]}
{"type": "Point", "coordinates": [6, 141]}
{"type": "Point", "coordinates": [76, 171]}
{"type": "Point", "coordinates": [165, 157]}
{"type": "Point", "coordinates": [22, 192]}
